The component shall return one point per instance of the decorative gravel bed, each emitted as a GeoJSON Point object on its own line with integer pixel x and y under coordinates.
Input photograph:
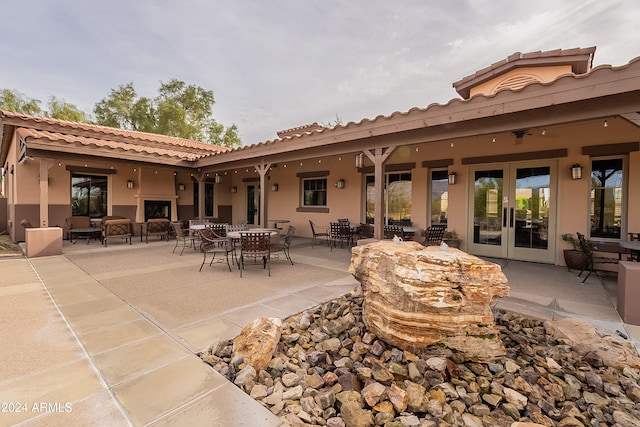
{"type": "Point", "coordinates": [328, 370]}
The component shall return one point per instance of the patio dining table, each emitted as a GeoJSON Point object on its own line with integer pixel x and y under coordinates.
{"type": "Point", "coordinates": [634, 248]}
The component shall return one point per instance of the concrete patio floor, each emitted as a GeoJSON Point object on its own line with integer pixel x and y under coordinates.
{"type": "Point", "coordinates": [109, 336]}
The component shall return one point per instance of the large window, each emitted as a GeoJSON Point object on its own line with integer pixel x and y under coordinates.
{"type": "Point", "coordinates": [439, 197]}
{"type": "Point", "coordinates": [397, 208]}
{"type": "Point", "coordinates": [606, 198]}
{"type": "Point", "coordinates": [89, 195]}
{"type": "Point", "coordinates": [208, 198]}
{"type": "Point", "coordinates": [314, 192]}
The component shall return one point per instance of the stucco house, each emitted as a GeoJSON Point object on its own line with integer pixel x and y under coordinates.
{"type": "Point", "coordinates": [537, 145]}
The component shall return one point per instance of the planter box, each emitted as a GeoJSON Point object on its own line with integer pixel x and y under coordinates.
{"type": "Point", "coordinates": [575, 260]}
{"type": "Point", "coordinates": [43, 241]}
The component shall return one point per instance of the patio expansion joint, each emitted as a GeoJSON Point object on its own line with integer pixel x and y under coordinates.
{"type": "Point", "coordinates": [101, 379]}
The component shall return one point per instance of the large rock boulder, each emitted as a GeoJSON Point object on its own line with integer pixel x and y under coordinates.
{"type": "Point", "coordinates": [415, 296]}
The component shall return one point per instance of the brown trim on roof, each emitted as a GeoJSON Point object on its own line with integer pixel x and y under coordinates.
{"type": "Point", "coordinates": [312, 210]}
{"type": "Point", "coordinates": [312, 174]}
{"type": "Point", "coordinates": [610, 149]}
{"type": "Point", "coordinates": [394, 167]}
{"type": "Point", "coordinates": [81, 169]}
{"type": "Point", "coordinates": [442, 163]}
{"type": "Point", "coordinates": [515, 157]}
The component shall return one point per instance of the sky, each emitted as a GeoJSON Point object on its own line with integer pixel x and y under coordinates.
{"type": "Point", "coordinates": [275, 65]}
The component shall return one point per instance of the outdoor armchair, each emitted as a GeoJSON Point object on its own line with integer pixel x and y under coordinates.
{"type": "Point", "coordinates": [157, 227]}
{"type": "Point", "coordinates": [116, 229]}
{"type": "Point", "coordinates": [285, 244]}
{"type": "Point", "coordinates": [212, 243]}
{"type": "Point", "coordinates": [182, 235]}
{"type": "Point", "coordinates": [318, 232]}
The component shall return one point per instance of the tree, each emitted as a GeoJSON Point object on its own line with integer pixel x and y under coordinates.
{"type": "Point", "coordinates": [12, 100]}
{"type": "Point", "coordinates": [179, 110]}
{"type": "Point", "coordinates": [62, 110]}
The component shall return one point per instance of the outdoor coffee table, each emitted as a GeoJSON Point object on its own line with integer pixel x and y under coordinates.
{"type": "Point", "coordinates": [87, 233]}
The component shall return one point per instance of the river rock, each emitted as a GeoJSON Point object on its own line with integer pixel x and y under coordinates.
{"type": "Point", "coordinates": [257, 342]}
{"type": "Point", "coordinates": [416, 296]}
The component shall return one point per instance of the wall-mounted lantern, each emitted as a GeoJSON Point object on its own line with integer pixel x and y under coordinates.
{"type": "Point", "coordinates": [360, 160]}
{"type": "Point", "coordinates": [129, 184]}
{"type": "Point", "coordinates": [181, 187]}
{"type": "Point", "coordinates": [576, 171]}
{"type": "Point", "coordinates": [340, 184]}
{"type": "Point", "coordinates": [452, 178]}
{"type": "Point", "coordinates": [274, 187]}
{"type": "Point", "coordinates": [234, 189]}
{"type": "Point", "coordinates": [218, 179]}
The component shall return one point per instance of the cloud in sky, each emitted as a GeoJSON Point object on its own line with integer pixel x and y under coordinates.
{"type": "Point", "coordinates": [281, 64]}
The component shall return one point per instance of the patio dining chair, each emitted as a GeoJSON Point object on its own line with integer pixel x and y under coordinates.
{"type": "Point", "coordinates": [390, 231]}
{"type": "Point", "coordinates": [182, 235]}
{"type": "Point", "coordinates": [340, 232]}
{"type": "Point", "coordinates": [434, 234]}
{"type": "Point", "coordinates": [285, 244]}
{"type": "Point", "coordinates": [586, 246]}
{"type": "Point", "coordinates": [255, 245]}
{"type": "Point", "coordinates": [212, 243]}
{"type": "Point", "coordinates": [318, 232]}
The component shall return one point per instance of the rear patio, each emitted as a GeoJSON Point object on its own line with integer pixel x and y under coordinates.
{"type": "Point", "coordinates": [110, 335]}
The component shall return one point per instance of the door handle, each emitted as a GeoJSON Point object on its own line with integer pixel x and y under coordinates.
{"type": "Point", "coordinates": [504, 217]}
{"type": "Point", "coordinates": [511, 218]}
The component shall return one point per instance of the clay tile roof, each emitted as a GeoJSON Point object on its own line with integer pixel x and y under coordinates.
{"type": "Point", "coordinates": [580, 59]}
{"type": "Point", "coordinates": [300, 130]}
{"type": "Point", "coordinates": [65, 133]}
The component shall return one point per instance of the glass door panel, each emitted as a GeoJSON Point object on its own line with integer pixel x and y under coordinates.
{"type": "Point", "coordinates": [488, 188]}
{"type": "Point", "coordinates": [513, 212]}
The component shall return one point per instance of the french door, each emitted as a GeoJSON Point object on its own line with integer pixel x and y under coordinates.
{"type": "Point", "coordinates": [513, 210]}
{"type": "Point", "coordinates": [253, 204]}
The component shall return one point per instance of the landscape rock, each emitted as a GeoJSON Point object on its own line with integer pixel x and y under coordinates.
{"type": "Point", "coordinates": [257, 342]}
{"type": "Point", "coordinates": [416, 296]}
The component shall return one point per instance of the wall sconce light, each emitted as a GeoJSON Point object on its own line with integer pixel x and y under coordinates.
{"type": "Point", "coordinates": [274, 187]}
{"type": "Point", "coordinates": [340, 184]}
{"type": "Point", "coordinates": [234, 189]}
{"type": "Point", "coordinates": [129, 184]}
{"type": "Point", "coordinates": [181, 187]}
{"type": "Point", "coordinates": [359, 160]}
{"type": "Point", "coordinates": [218, 179]}
{"type": "Point", "coordinates": [576, 171]}
{"type": "Point", "coordinates": [452, 178]}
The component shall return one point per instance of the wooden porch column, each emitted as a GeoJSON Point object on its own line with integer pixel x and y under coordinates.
{"type": "Point", "coordinates": [378, 156]}
{"type": "Point", "coordinates": [44, 193]}
{"type": "Point", "coordinates": [263, 169]}
{"type": "Point", "coordinates": [200, 178]}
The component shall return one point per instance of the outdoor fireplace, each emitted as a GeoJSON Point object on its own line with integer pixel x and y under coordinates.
{"type": "Point", "coordinates": [157, 209]}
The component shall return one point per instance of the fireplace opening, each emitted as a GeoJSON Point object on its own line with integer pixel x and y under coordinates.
{"type": "Point", "coordinates": [157, 209]}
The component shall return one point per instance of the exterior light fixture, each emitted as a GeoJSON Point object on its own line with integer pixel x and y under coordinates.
{"type": "Point", "coordinates": [452, 178]}
{"type": "Point", "coordinates": [340, 184]}
{"type": "Point", "coordinates": [129, 184]}
{"type": "Point", "coordinates": [234, 189]}
{"type": "Point", "coordinates": [274, 187]}
{"type": "Point", "coordinates": [605, 124]}
{"type": "Point", "coordinates": [359, 160]}
{"type": "Point", "coordinates": [218, 179]}
{"type": "Point", "coordinates": [576, 171]}
{"type": "Point", "coordinates": [181, 187]}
